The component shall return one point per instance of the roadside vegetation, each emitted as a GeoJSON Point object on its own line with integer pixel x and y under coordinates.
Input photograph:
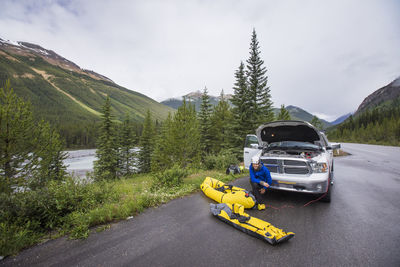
{"type": "Point", "coordinates": [72, 208]}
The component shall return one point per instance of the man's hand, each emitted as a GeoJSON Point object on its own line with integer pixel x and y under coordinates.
{"type": "Point", "coordinates": [264, 184]}
{"type": "Point", "coordinates": [262, 191]}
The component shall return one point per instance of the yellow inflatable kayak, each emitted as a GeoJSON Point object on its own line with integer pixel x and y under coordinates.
{"type": "Point", "coordinates": [222, 193]}
{"type": "Point", "coordinates": [234, 215]}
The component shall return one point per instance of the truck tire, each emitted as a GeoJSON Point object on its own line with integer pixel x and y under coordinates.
{"type": "Point", "coordinates": [327, 197]}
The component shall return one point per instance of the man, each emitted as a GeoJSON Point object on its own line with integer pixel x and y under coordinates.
{"type": "Point", "coordinates": [260, 180]}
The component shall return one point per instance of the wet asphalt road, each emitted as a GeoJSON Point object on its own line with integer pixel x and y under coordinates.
{"type": "Point", "coordinates": [360, 227]}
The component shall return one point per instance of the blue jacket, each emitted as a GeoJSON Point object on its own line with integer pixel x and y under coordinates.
{"type": "Point", "coordinates": [262, 174]}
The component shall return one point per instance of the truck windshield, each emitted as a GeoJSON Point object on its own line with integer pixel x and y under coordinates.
{"type": "Point", "coordinates": [286, 145]}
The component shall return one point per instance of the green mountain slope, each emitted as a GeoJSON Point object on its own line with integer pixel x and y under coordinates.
{"type": "Point", "coordinates": [63, 93]}
{"type": "Point", "coordinates": [377, 120]}
{"type": "Point", "coordinates": [297, 113]}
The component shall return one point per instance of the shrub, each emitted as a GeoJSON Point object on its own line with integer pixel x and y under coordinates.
{"type": "Point", "coordinates": [220, 161]}
{"type": "Point", "coordinates": [13, 237]}
{"type": "Point", "coordinates": [46, 208]}
{"type": "Point", "coordinates": [79, 225]}
{"type": "Point", "coordinates": [170, 178]}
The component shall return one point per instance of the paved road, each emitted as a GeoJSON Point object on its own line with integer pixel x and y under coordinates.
{"type": "Point", "coordinates": [360, 227]}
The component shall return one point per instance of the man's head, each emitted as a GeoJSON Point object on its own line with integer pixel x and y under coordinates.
{"type": "Point", "coordinates": [255, 161]}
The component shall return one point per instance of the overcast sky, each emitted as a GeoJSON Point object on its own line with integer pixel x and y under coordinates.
{"type": "Point", "coordinates": [323, 56]}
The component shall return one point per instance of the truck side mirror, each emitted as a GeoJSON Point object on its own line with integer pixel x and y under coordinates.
{"type": "Point", "coordinates": [335, 145]}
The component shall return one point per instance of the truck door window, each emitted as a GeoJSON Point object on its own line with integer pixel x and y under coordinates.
{"type": "Point", "coordinates": [251, 139]}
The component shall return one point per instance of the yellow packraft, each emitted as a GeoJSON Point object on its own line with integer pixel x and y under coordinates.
{"type": "Point", "coordinates": [234, 215]}
{"type": "Point", "coordinates": [233, 200]}
{"type": "Point", "coordinates": [222, 193]}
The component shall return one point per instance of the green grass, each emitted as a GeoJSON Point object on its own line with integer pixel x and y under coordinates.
{"type": "Point", "coordinates": [77, 210]}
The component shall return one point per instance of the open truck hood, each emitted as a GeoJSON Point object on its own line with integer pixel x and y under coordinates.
{"type": "Point", "coordinates": [279, 131]}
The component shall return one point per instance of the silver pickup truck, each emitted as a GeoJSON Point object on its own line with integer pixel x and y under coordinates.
{"type": "Point", "coordinates": [298, 155]}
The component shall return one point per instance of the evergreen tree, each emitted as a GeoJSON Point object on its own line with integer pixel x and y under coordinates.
{"type": "Point", "coordinates": [241, 125]}
{"type": "Point", "coordinates": [163, 157]}
{"type": "Point", "coordinates": [205, 123]}
{"type": "Point", "coordinates": [127, 142]}
{"type": "Point", "coordinates": [380, 125]}
{"type": "Point", "coordinates": [50, 156]}
{"type": "Point", "coordinates": [259, 97]}
{"type": "Point", "coordinates": [146, 144]}
{"type": "Point", "coordinates": [29, 152]}
{"type": "Point", "coordinates": [316, 122]}
{"type": "Point", "coordinates": [186, 149]}
{"type": "Point", "coordinates": [106, 165]}
{"type": "Point", "coordinates": [16, 134]}
{"type": "Point", "coordinates": [283, 114]}
{"type": "Point", "coordinates": [221, 120]}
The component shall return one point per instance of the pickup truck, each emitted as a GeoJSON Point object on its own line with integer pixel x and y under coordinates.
{"type": "Point", "coordinates": [298, 156]}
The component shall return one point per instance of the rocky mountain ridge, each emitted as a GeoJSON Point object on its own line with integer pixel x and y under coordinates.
{"type": "Point", "coordinates": [386, 93]}
{"type": "Point", "coordinates": [25, 48]}
{"type": "Point", "coordinates": [61, 92]}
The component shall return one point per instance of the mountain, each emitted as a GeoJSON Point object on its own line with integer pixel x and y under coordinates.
{"type": "Point", "coordinates": [376, 120]}
{"type": "Point", "coordinates": [195, 98]}
{"type": "Point", "coordinates": [63, 93]}
{"type": "Point", "coordinates": [341, 119]}
{"type": "Point", "coordinates": [380, 96]}
{"type": "Point", "coordinates": [300, 114]}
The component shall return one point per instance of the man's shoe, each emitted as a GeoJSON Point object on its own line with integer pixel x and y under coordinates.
{"type": "Point", "coordinates": [261, 207]}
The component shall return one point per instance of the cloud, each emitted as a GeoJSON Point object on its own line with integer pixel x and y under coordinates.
{"type": "Point", "coordinates": [323, 56]}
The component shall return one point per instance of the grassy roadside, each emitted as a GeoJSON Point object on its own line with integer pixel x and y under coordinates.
{"type": "Point", "coordinates": [73, 209]}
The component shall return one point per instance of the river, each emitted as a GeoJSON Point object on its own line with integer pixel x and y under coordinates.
{"type": "Point", "coordinates": [79, 162]}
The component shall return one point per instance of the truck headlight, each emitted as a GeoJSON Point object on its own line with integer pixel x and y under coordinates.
{"type": "Point", "coordinates": [319, 167]}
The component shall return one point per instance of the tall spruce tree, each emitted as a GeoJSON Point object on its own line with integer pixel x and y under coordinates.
{"type": "Point", "coordinates": [283, 114]}
{"type": "Point", "coordinates": [50, 165]}
{"type": "Point", "coordinates": [221, 120]}
{"type": "Point", "coordinates": [146, 144]}
{"type": "Point", "coordinates": [163, 157]}
{"type": "Point", "coordinates": [106, 165]}
{"type": "Point", "coordinates": [258, 93]}
{"type": "Point", "coordinates": [241, 125]}
{"type": "Point", "coordinates": [127, 143]}
{"type": "Point", "coordinates": [30, 153]}
{"type": "Point", "coordinates": [205, 123]}
{"type": "Point", "coordinates": [185, 132]}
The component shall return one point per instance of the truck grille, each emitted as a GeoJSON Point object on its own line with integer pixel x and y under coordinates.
{"type": "Point", "coordinates": [289, 170]}
{"type": "Point", "coordinates": [286, 166]}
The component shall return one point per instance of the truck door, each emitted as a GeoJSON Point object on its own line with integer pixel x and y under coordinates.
{"type": "Point", "coordinates": [250, 149]}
